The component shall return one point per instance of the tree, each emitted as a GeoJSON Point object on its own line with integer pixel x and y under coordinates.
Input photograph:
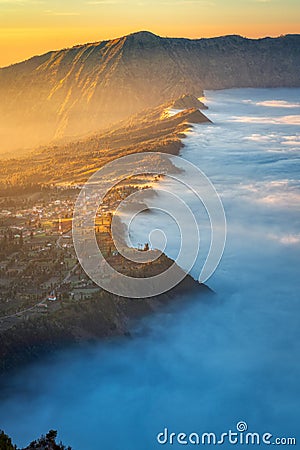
{"type": "Point", "coordinates": [44, 442]}
{"type": "Point", "coordinates": [5, 442]}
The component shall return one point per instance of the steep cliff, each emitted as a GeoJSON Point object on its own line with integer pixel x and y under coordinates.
{"type": "Point", "coordinates": [102, 315]}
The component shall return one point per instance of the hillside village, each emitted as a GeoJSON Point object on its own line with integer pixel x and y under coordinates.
{"type": "Point", "coordinates": [39, 269]}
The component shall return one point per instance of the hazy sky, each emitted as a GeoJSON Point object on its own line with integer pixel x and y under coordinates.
{"type": "Point", "coordinates": [29, 27]}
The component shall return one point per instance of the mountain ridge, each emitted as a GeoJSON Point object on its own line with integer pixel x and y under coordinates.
{"type": "Point", "coordinates": [81, 89]}
{"type": "Point", "coordinates": [137, 33]}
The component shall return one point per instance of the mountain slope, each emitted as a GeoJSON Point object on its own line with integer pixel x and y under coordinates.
{"type": "Point", "coordinates": [74, 161]}
{"type": "Point", "coordinates": [78, 90]}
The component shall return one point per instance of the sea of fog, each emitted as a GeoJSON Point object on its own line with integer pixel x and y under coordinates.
{"type": "Point", "coordinates": [208, 364]}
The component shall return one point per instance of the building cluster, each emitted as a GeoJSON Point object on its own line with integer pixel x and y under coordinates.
{"type": "Point", "coordinates": [38, 262]}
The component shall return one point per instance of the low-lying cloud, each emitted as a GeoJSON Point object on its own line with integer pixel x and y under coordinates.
{"type": "Point", "coordinates": [288, 120]}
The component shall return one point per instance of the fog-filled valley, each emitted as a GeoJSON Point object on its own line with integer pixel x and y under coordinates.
{"type": "Point", "coordinates": [202, 365]}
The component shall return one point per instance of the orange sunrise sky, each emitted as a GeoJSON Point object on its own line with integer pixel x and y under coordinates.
{"type": "Point", "coordinates": [30, 27]}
